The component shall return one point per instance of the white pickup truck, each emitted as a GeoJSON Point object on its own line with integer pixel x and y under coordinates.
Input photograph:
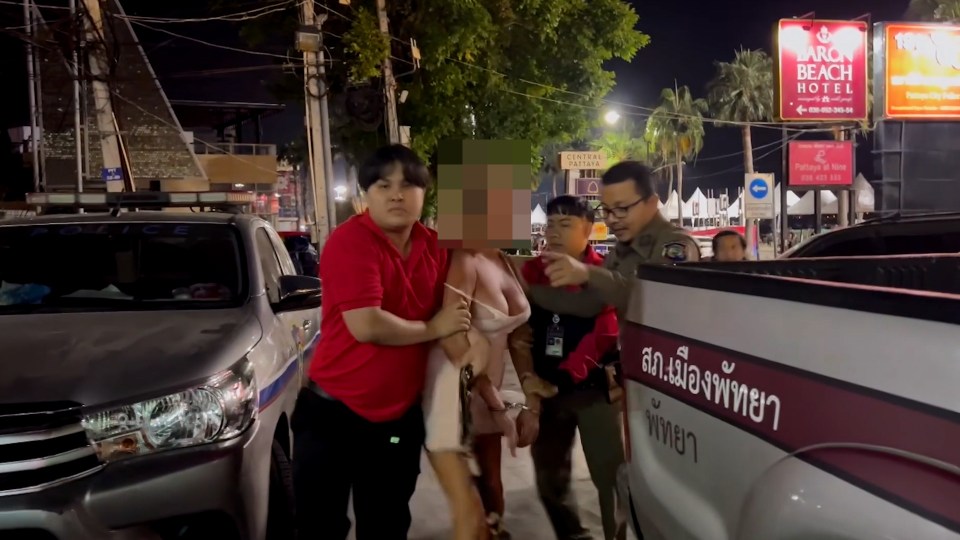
{"type": "Point", "coordinates": [814, 399]}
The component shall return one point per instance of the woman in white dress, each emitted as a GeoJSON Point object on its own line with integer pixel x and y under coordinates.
{"type": "Point", "coordinates": [466, 419]}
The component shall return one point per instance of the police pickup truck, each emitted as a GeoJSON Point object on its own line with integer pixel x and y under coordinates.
{"type": "Point", "coordinates": [149, 365]}
{"type": "Point", "coordinates": [811, 399]}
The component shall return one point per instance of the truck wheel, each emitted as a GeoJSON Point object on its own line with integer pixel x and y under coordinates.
{"type": "Point", "coordinates": [281, 518]}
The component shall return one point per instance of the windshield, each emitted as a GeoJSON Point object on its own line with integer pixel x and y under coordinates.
{"type": "Point", "coordinates": [119, 266]}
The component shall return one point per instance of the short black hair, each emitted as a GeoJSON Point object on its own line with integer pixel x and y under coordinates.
{"type": "Point", "coordinates": [724, 234]}
{"type": "Point", "coordinates": [571, 205]}
{"type": "Point", "coordinates": [625, 171]}
{"type": "Point", "coordinates": [381, 163]}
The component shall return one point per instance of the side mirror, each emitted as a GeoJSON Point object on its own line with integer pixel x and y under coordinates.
{"type": "Point", "coordinates": [298, 293]}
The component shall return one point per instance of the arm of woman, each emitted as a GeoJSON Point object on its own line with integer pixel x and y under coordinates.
{"type": "Point", "coordinates": [498, 409]}
{"type": "Point", "coordinates": [461, 281]}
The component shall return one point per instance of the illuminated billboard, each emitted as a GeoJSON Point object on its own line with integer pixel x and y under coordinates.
{"type": "Point", "coordinates": [919, 72]}
{"type": "Point", "coordinates": [821, 70]}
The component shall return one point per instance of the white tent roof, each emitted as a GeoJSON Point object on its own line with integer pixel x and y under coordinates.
{"type": "Point", "coordinates": [804, 206]}
{"type": "Point", "coordinates": [792, 199]}
{"type": "Point", "coordinates": [538, 216]}
{"type": "Point", "coordinates": [671, 209]}
{"type": "Point", "coordinates": [697, 206]}
{"type": "Point", "coordinates": [733, 211]}
{"type": "Point", "coordinates": [866, 202]}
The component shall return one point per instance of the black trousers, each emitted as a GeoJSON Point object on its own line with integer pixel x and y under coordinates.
{"type": "Point", "coordinates": [336, 451]}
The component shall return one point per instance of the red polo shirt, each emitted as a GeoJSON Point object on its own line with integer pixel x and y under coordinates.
{"type": "Point", "coordinates": [360, 268]}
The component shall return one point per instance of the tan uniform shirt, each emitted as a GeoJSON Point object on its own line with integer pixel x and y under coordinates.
{"type": "Point", "coordinates": [660, 242]}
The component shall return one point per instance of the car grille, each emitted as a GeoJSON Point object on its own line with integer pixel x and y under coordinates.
{"type": "Point", "coordinates": [42, 445]}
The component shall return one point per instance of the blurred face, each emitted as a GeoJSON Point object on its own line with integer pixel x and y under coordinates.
{"type": "Point", "coordinates": [394, 204]}
{"type": "Point", "coordinates": [568, 234]}
{"type": "Point", "coordinates": [625, 210]}
{"type": "Point", "coordinates": [729, 248]}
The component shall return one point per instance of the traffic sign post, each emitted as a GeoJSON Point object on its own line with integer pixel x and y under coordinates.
{"type": "Point", "coordinates": [758, 200]}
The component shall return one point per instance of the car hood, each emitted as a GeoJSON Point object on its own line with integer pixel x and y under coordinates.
{"type": "Point", "coordinates": [104, 357]}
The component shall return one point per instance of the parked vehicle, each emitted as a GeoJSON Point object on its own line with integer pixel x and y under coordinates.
{"type": "Point", "coordinates": [794, 399]}
{"type": "Point", "coordinates": [893, 235]}
{"type": "Point", "coordinates": [151, 363]}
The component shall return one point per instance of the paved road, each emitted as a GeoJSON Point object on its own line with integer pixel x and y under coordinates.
{"type": "Point", "coordinates": [525, 517]}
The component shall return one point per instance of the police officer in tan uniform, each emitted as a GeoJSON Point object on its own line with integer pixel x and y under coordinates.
{"type": "Point", "coordinates": [629, 207]}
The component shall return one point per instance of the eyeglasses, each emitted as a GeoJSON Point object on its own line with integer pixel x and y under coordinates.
{"type": "Point", "coordinates": [618, 212]}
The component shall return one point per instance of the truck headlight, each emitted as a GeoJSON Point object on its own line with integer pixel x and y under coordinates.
{"type": "Point", "coordinates": [220, 409]}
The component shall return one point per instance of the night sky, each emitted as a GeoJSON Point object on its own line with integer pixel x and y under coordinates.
{"type": "Point", "coordinates": [687, 37]}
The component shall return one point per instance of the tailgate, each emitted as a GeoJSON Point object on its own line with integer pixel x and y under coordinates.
{"type": "Point", "coordinates": [734, 383]}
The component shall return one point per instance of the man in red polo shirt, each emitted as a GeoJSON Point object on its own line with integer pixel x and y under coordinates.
{"type": "Point", "coordinates": [358, 426]}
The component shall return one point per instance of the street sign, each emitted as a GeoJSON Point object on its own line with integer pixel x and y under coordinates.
{"type": "Point", "coordinates": [758, 199]}
{"type": "Point", "coordinates": [820, 164]}
{"type": "Point", "coordinates": [822, 70]}
{"type": "Point", "coordinates": [588, 187]}
{"type": "Point", "coordinates": [584, 161]}
{"type": "Point", "coordinates": [111, 174]}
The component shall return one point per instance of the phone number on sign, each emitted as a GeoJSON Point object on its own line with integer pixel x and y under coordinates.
{"type": "Point", "coordinates": [821, 179]}
{"type": "Point", "coordinates": [831, 110]}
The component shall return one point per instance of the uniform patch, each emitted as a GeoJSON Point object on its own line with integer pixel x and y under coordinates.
{"type": "Point", "coordinates": [675, 251]}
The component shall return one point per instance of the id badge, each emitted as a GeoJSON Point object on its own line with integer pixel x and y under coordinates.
{"type": "Point", "coordinates": [555, 339]}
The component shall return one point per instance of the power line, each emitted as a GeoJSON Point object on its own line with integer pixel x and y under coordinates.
{"type": "Point", "coordinates": [242, 16]}
{"type": "Point", "coordinates": [740, 168]}
{"type": "Point", "coordinates": [209, 44]}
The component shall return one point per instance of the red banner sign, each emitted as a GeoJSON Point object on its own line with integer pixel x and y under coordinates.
{"type": "Point", "coordinates": [822, 70]}
{"type": "Point", "coordinates": [820, 163]}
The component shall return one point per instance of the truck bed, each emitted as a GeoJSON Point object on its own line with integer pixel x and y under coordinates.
{"type": "Point", "coordinates": [777, 400]}
{"type": "Point", "coordinates": [938, 273]}
{"type": "Point", "coordinates": [923, 287]}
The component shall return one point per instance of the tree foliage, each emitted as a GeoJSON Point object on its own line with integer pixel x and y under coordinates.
{"type": "Point", "coordinates": [676, 128]}
{"type": "Point", "coordinates": [622, 145]}
{"type": "Point", "coordinates": [935, 10]}
{"type": "Point", "coordinates": [529, 70]}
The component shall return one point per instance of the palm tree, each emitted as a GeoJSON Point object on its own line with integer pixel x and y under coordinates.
{"type": "Point", "coordinates": [620, 146]}
{"type": "Point", "coordinates": [935, 10]}
{"type": "Point", "coordinates": [740, 93]}
{"type": "Point", "coordinates": [677, 126]}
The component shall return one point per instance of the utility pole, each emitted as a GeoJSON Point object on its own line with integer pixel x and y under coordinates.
{"type": "Point", "coordinates": [843, 195]}
{"type": "Point", "coordinates": [113, 172]}
{"type": "Point", "coordinates": [32, 76]}
{"type": "Point", "coordinates": [309, 43]}
{"type": "Point", "coordinates": [325, 132]}
{"type": "Point", "coordinates": [77, 104]}
{"type": "Point", "coordinates": [389, 83]}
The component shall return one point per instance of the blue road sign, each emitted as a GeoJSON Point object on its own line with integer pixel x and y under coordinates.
{"type": "Point", "coordinates": [111, 174]}
{"type": "Point", "coordinates": [759, 188]}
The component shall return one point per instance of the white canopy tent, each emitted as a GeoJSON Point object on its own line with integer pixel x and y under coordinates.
{"type": "Point", "coordinates": [866, 202]}
{"type": "Point", "coordinates": [671, 210]}
{"type": "Point", "coordinates": [733, 212]}
{"type": "Point", "coordinates": [538, 216]}
{"type": "Point", "coordinates": [697, 206]}
{"type": "Point", "coordinates": [804, 206]}
{"type": "Point", "coordinates": [792, 199]}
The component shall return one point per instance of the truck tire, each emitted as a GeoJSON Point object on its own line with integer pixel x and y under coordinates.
{"type": "Point", "coordinates": [281, 516]}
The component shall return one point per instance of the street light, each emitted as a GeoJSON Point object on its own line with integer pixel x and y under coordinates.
{"type": "Point", "coordinates": [611, 117]}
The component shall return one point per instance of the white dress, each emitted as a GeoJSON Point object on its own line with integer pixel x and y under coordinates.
{"type": "Point", "coordinates": [442, 406]}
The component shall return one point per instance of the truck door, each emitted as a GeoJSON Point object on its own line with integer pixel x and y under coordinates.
{"type": "Point", "coordinates": [306, 322]}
